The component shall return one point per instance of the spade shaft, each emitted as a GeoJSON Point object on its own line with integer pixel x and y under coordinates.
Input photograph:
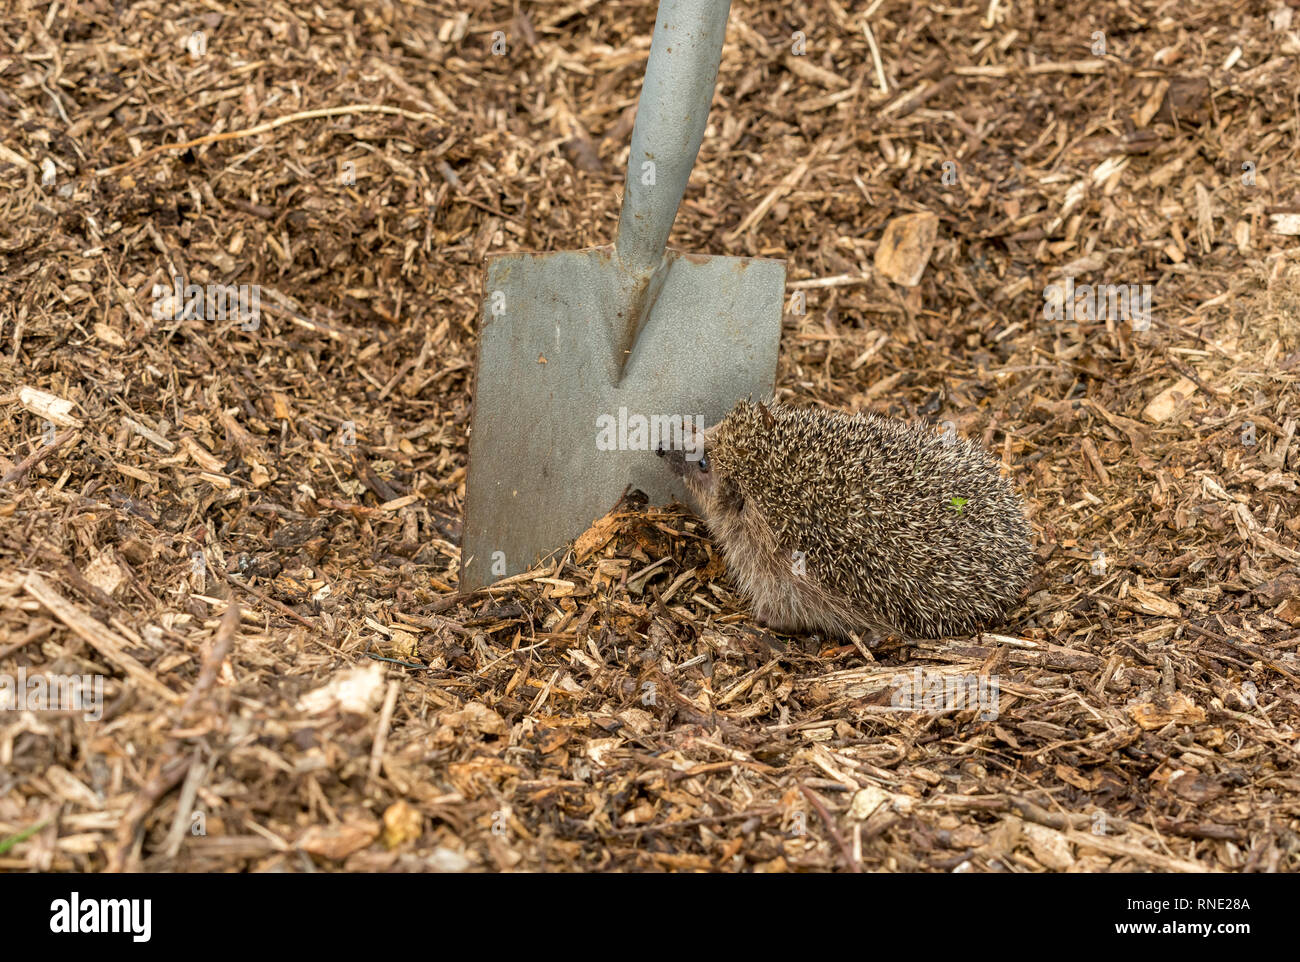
{"type": "Point", "coordinates": [671, 116]}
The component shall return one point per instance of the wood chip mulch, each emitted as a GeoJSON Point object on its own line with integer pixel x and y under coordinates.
{"type": "Point", "coordinates": [290, 679]}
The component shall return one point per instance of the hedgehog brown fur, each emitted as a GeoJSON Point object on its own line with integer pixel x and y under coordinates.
{"type": "Point", "coordinates": [841, 523]}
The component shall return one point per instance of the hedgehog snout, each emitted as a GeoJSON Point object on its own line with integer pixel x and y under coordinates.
{"type": "Point", "coordinates": [684, 451]}
{"type": "Point", "coordinates": [693, 467]}
{"type": "Point", "coordinates": [675, 458]}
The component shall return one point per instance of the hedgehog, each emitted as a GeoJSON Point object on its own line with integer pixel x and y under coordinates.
{"type": "Point", "coordinates": [845, 523]}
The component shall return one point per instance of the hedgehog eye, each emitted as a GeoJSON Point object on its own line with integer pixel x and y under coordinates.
{"type": "Point", "coordinates": [704, 464]}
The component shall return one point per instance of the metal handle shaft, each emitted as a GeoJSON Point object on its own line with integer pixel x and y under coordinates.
{"type": "Point", "coordinates": [670, 119]}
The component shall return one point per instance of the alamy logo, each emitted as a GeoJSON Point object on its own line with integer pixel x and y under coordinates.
{"type": "Point", "coordinates": [935, 691]}
{"type": "Point", "coordinates": [638, 432]}
{"type": "Point", "coordinates": [1102, 302]}
{"type": "Point", "coordinates": [74, 915]}
{"type": "Point", "coordinates": [210, 302]}
{"type": "Point", "coordinates": [83, 693]}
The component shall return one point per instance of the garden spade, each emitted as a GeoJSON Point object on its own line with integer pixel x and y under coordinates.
{"type": "Point", "coordinates": [586, 358]}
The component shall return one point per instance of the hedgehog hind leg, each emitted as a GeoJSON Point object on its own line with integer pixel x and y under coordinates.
{"type": "Point", "coordinates": [807, 607]}
{"type": "Point", "coordinates": [786, 608]}
{"type": "Point", "coordinates": [776, 613]}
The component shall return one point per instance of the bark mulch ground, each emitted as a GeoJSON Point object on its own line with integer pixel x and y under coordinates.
{"type": "Point", "coordinates": [250, 531]}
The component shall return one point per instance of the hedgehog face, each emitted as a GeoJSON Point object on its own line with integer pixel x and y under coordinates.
{"type": "Point", "coordinates": [690, 461]}
{"type": "Point", "coordinates": [699, 471]}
